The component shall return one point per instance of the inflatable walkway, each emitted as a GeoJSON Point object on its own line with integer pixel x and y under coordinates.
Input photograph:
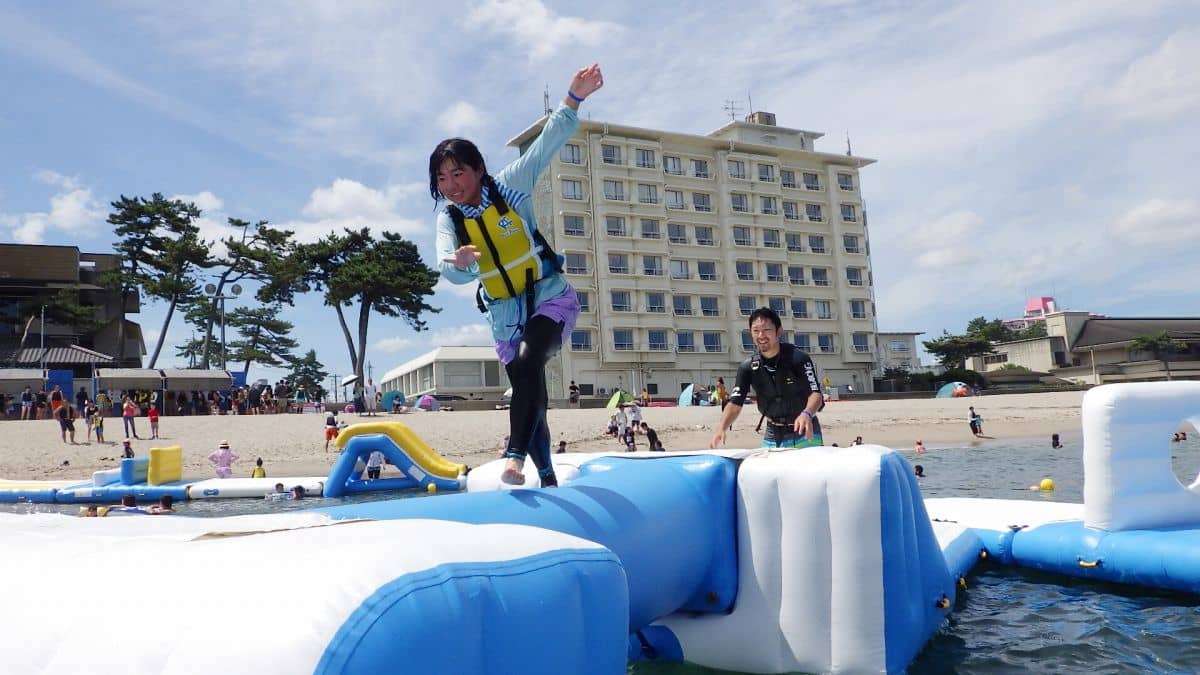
{"type": "Point", "coordinates": [401, 447]}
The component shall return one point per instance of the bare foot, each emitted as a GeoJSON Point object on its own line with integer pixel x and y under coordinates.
{"type": "Point", "coordinates": [512, 473]}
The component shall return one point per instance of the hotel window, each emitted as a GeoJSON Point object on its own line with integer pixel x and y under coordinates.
{"type": "Point", "coordinates": [681, 305]}
{"type": "Point", "coordinates": [572, 189]}
{"type": "Point", "coordinates": [825, 343]}
{"type": "Point", "coordinates": [848, 214]}
{"type": "Point", "coordinates": [820, 276]}
{"type": "Point", "coordinates": [672, 165]}
{"type": "Point", "coordinates": [570, 154]}
{"type": "Point", "coordinates": [791, 211]}
{"type": "Point", "coordinates": [812, 181]}
{"type": "Point", "coordinates": [796, 275]}
{"type": "Point", "coordinates": [774, 271]}
{"type": "Point", "coordinates": [573, 225]}
{"type": "Point", "coordinates": [615, 226]}
{"type": "Point", "coordinates": [786, 336]}
{"type": "Point", "coordinates": [710, 305]}
{"type": "Point", "coordinates": [816, 243]}
{"type": "Point", "coordinates": [768, 205]}
{"type": "Point", "coordinates": [700, 168]}
{"type": "Point", "coordinates": [739, 202]}
{"type": "Point", "coordinates": [657, 340]}
{"type": "Point", "coordinates": [787, 178]}
{"type": "Point", "coordinates": [704, 235]}
{"type": "Point", "coordinates": [614, 190]}
{"type": "Point", "coordinates": [859, 340]}
{"type": "Point", "coordinates": [647, 194]}
{"type": "Point", "coordinates": [745, 270]}
{"type": "Point", "coordinates": [618, 263]}
{"type": "Point", "coordinates": [679, 269]}
{"type": "Point", "coordinates": [766, 173]}
{"type": "Point", "coordinates": [824, 309]}
{"type": "Point", "coordinates": [675, 199]}
{"type": "Point", "coordinates": [737, 168]}
{"type": "Point", "coordinates": [712, 341]}
{"type": "Point", "coordinates": [747, 341]}
{"type": "Point", "coordinates": [813, 211]}
{"type": "Point", "coordinates": [656, 302]}
{"type": "Point", "coordinates": [652, 265]}
{"type": "Point", "coordinates": [581, 341]}
{"type": "Point", "coordinates": [650, 229]}
{"type": "Point", "coordinates": [803, 341]}
{"type": "Point", "coordinates": [778, 304]}
{"type": "Point", "coordinates": [585, 301]}
{"type": "Point", "coordinates": [620, 301]}
{"type": "Point", "coordinates": [850, 241]}
{"type": "Point", "coordinates": [677, 233]}
{"type": "Point", "coordinates": [747, 304]}
{"type": "Point", "coordinates": [898, 346]}
{"type": "Point", "coordinates": [845, 181]}
{"type": "Point", "coordinates": [623, 339]}
{"type": "Point", "coordinates": [794, 242]}
{"type": "Point", "coordinates": [854, 276]}
{"type": "Point", "coordinates": [645, 158]}
{"type": "Point", "coordinates": [742, 236]}
{"type": "Point", "coordinates": [799, 308]}
{"type": "Point", "coordinates": [707, 270]}
{"type": "Point", "coordinates": [858, 309]}
{"type": "Point", "coordinates": [702, 202]}
{"type": "Point", "coordinates": [771, 238]}
{"type": "Point", "coordinates": [611, 154]}
{"type": "Point", "coordinates": [577, 263]}
{"type": "Point", "coordinates": [685, 341]}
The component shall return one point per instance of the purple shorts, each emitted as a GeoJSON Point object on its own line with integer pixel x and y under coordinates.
{"type": "Point", "coordinates": [563, 308]}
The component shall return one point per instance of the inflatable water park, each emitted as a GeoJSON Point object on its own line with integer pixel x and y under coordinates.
{"type": "Point", "coordinates": [809, 560]}
{"type": "Point", "coordinates": [160, 473]}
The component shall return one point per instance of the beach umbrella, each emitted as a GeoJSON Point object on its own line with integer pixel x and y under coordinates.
{"type": "Point", "coordinates": [951, 389]}
{"type": "Point", "coordinates": [619, 396]}
{"type": "Point", "coordinates": [427, 402]}
{"type": "Point", "coordinates": [685, 396]}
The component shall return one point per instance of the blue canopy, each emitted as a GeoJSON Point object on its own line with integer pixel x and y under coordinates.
{"type": "Point", "coordinates": [685, 396]}
{"type": "Point", "coordinates": [947, 390]}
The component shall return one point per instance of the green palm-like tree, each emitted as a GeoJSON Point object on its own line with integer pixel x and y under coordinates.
{"type": "Point", "coordinates": [1160, 344]}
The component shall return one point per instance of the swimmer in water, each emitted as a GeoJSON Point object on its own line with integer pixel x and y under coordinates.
{"type": "Point", "coordinates": [164, 506]}
{"type": "Point", "coordinates": [1054, 442]}
{"type": "Point", "coordinates": [919, 471]}
{"type": "Point", "coordinates": [298, 493]}
{"type": "Point", "coordinates": [919, 448]}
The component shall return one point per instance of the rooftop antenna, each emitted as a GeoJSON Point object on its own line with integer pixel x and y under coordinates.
{"type": "Point", "coordinates": [751, 100]}
{"type": "Point", "coordinates": [546, 98]}
{"type": "Point", "coordinates": [848, 152]}
{"type": "Point", "coordinates": [732, 108]}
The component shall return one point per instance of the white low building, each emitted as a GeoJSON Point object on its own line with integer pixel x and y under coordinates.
{"type": "Point", "coordinates": [473, 373]}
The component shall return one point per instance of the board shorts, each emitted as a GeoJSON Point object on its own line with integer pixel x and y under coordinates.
{"type": "Point", "coordinates": [330, 433]}
{"type": "Point", "coordinates": [791, 439]}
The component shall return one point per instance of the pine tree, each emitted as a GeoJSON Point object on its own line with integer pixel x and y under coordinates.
{"type": "Point", "coordinates": [309, 375]}
{"type": "Point", "coordinates": [264, 337]}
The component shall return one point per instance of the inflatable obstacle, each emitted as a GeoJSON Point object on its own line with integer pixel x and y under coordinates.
{"type": "Point", "coordinates": [401, 447]}
{"type": "Point", "coordinates": [1137, 525]}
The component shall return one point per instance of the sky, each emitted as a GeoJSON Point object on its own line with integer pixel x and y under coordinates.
{"type": "Point", "coordinates": [1024, 148]}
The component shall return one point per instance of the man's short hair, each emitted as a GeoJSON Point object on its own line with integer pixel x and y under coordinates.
{"type": "Point", "coordinates": [765, 313]}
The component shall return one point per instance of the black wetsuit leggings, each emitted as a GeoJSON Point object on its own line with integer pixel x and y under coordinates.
{"type": "Point", "coordinates": [529, 433]}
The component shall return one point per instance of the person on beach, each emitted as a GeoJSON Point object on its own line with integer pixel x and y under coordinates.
{"type": "Point", "coordinates": [152, 415]}
{"type": "Point", "coordinates": [89, 417]}
{"type": "Point", "coordinates": [98, 423]}
{"type": "Point", "coordinates": [651, 436]}
{"type": "Point", "coordinates": [56, 399]}
{"type": "Point", "coordinates": [127, 449]}
{"type": "Point", "coordinates": [857, 440]}
{"type": "Point", "coordinates": [223, 458]}
{"type": "Point", "coordinates": [128, 412]}
{"type": "Point", "coordinates": [65, 414]}
{"type": "Point", "coordinates": [487, 232]}
{"type": "Point", "coordinates": [573, 393]}
{"type": "Point", "coordinates": [629, 438]}
{"type": "Point", "coordinates": [258, 471]}
{"type": "Point", "coordinates": [562, 447]}
{"type": "Point", "coordinates": [374, 465]}
{"type": "Point", "coordinates": [786, 384]}
{"type": "Point", "coordinates": [27, 404]}
{"type": "Point", "coordinates": [331, 429]}
{"type": "Point", "coordinates": [721, 394]}
{"type": "Point", "coordinates": [975, 421]}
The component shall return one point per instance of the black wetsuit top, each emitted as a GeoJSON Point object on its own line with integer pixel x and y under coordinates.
{"type": "Point", "coordinates": [782, 384]}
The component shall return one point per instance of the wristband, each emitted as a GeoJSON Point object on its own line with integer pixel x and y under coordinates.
{"type": "Point", "coordinates": [805, 412]}
{"type": "Point", "coordinates": [574, 97]}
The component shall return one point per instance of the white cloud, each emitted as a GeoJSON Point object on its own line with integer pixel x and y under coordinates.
{"type": "Point", "coordinates": [1160, 221]}
{"type": "Point", "coordinates": [349, 203]}
{"type": "Point", "coordinates": [445, 288]}
{"type": "Point", "coordinates": [73, 209]}
{"type": "Point", "coordinates": [474, 334]}
{"type": "Point", "coordinates": [205, 200]}
{"type": "Point", "coordinates": [537, 29]}
{"type": "Point", "coordinates": [1162, 84]}
{"type": "Point", "coordinates": [461, 119]}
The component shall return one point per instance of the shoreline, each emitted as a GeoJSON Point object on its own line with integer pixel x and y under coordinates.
{"type": "Point", "coordinates": [292, 444]}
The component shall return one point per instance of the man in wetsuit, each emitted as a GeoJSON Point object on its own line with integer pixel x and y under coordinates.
{"type": "Point", "coordinates": [784, 380]}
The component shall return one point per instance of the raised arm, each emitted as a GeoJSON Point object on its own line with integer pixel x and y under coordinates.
{"type": "Point", "coordinates": [523, 172]}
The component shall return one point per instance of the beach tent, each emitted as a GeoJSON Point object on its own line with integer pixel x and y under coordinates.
{"type": "Point", "coordinates": [428, 402]}
{"type": "Point", "coordinates": [619, 396]}
{"type": "Point", "coordinates": [685, 396]}
{"type": "Point", "coordinates": [953, 390]}
{"type": "Point", "coordinates": [390, 399]}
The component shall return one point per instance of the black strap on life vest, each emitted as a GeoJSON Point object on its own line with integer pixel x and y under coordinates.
{"type": "Point", "coordinates": [781, 398]}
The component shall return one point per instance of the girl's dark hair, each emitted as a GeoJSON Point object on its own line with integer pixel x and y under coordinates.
{"type": "Point", "coordinates": [464, 153]}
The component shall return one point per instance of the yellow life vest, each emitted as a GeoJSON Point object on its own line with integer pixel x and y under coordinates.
{"type": "Point", "coordinates": [258, 472]}
{"type": "Point", "coordinates": [510, 257]}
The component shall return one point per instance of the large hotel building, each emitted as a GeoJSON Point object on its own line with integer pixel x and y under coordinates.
{"type": "Point", "coordinates": [672, 239]}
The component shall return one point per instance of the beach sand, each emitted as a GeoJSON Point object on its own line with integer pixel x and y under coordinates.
{"type": "Point", "coordinates": [292, 445]}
